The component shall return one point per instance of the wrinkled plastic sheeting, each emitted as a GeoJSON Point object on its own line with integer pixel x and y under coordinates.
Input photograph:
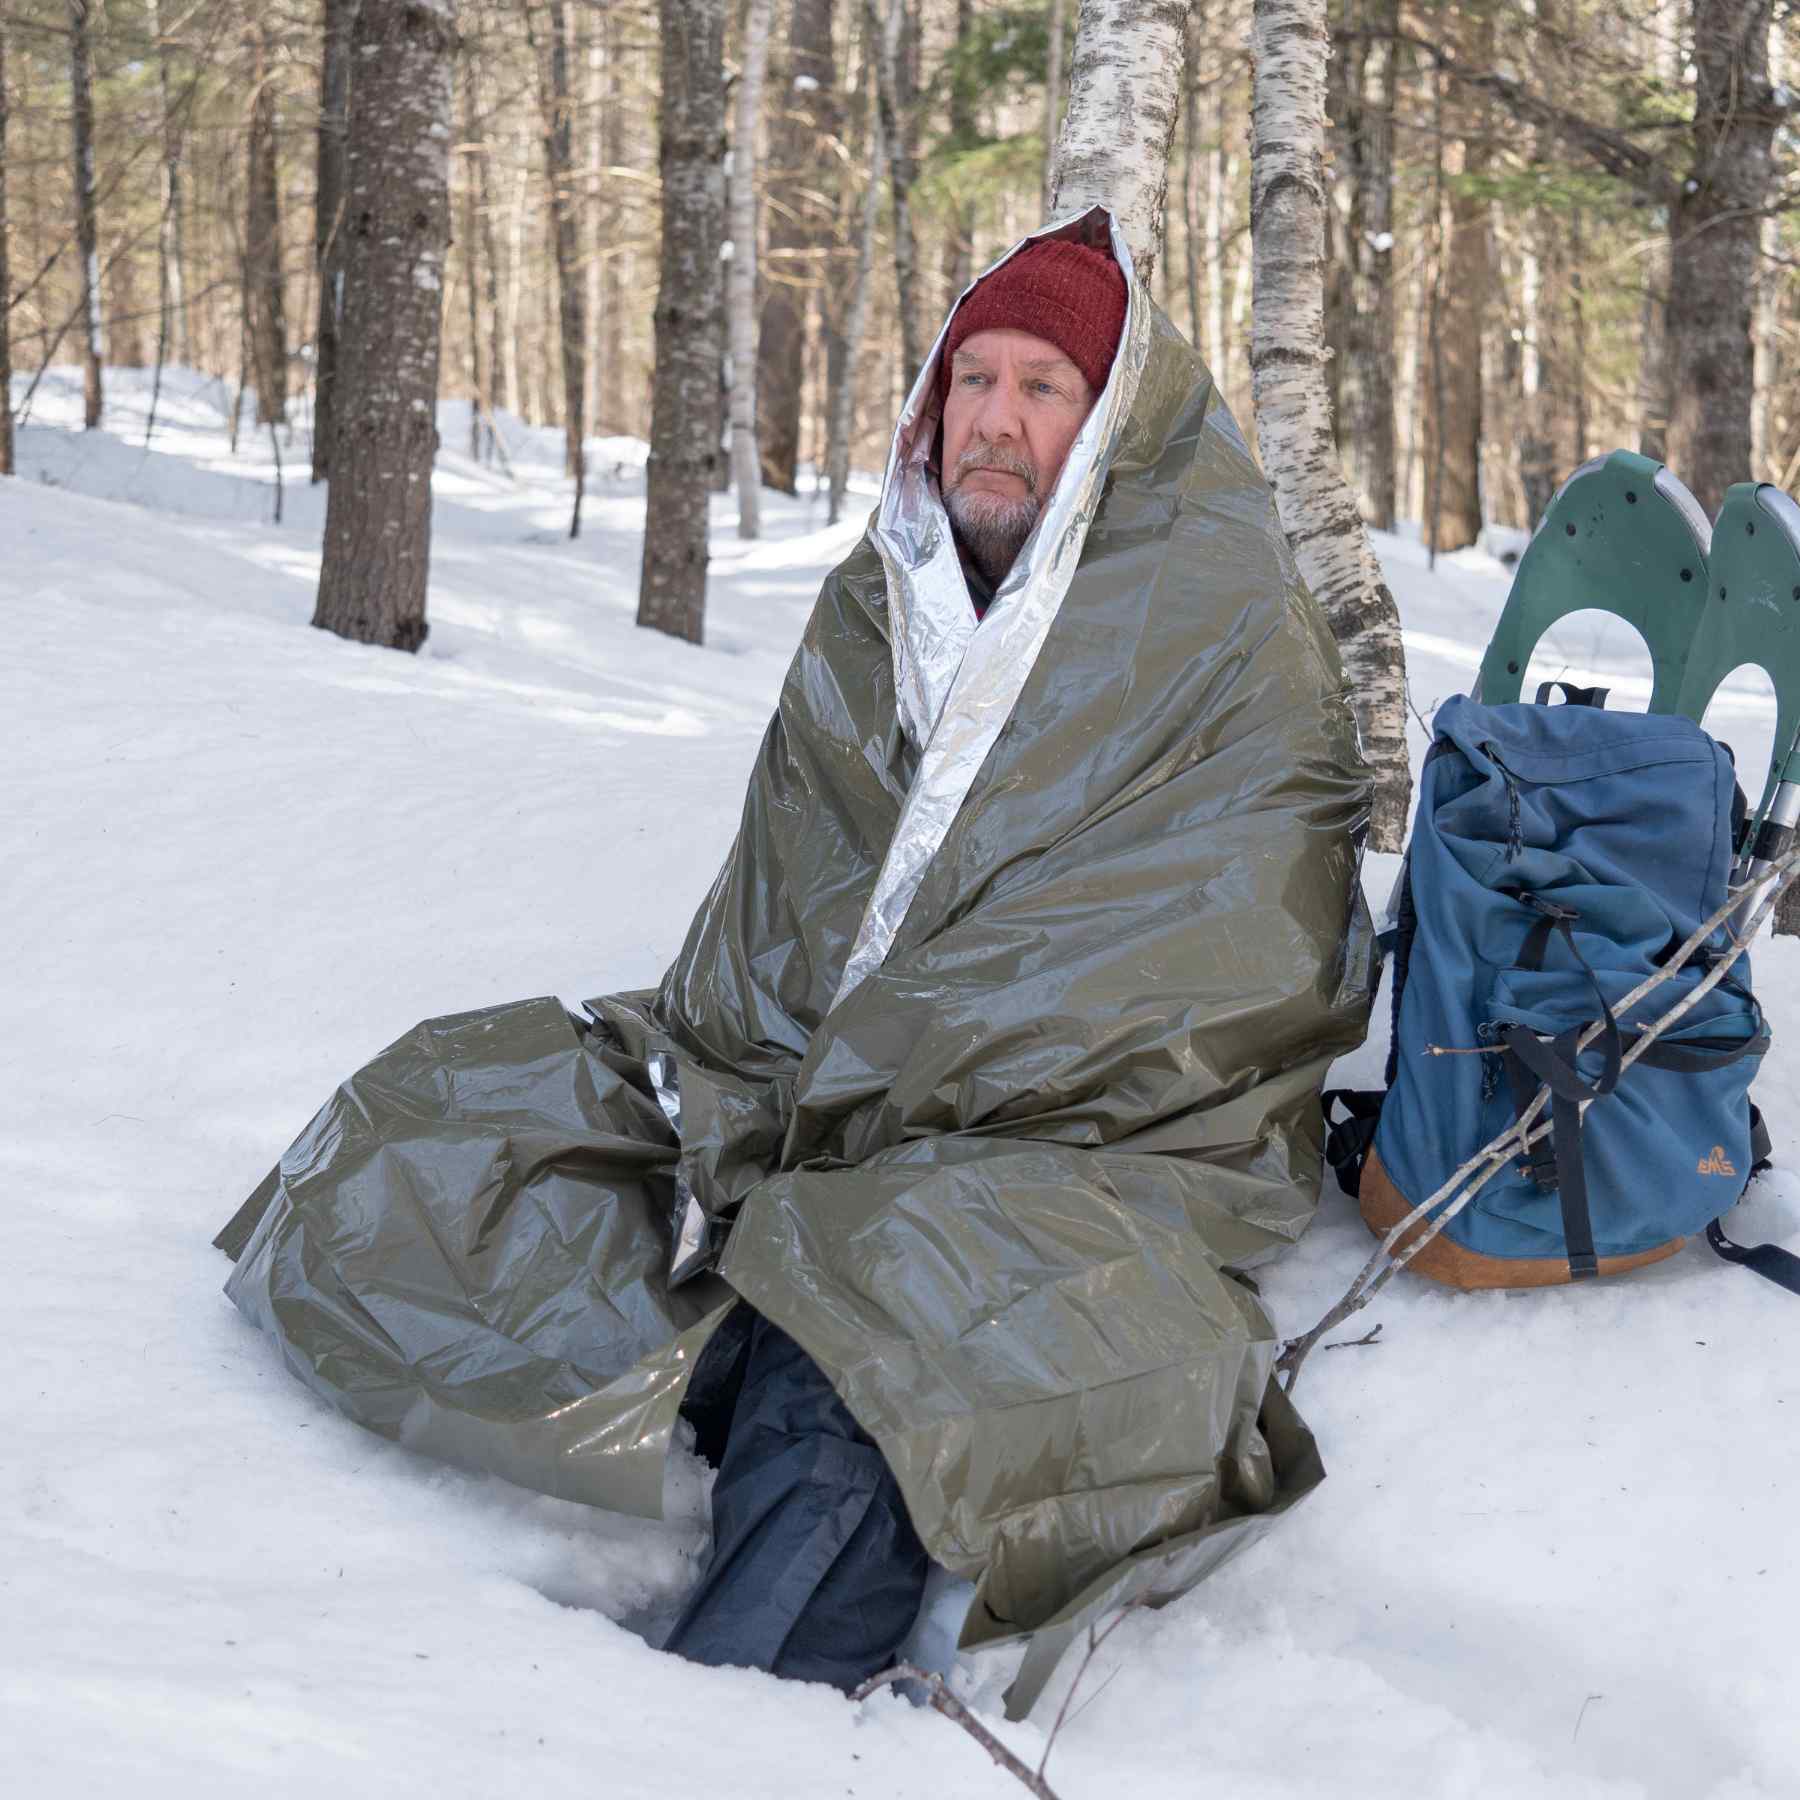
{"type": "Point", "coordinates": [1000, 1189]}
{"type": "Point", "coordinates": [466, 1251]}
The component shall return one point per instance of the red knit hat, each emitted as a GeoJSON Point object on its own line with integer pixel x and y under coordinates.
{"type": "Point", "coordinates": [1065, 293]}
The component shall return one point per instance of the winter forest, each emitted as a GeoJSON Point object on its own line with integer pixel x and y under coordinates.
{"type": "Point", "coordinates": [427, 429]}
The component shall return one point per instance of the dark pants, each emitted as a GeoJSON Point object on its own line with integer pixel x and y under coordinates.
{"type": "Point", "coordinates": [816, 1572]}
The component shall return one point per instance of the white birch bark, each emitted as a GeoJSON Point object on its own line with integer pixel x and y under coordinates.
{"type": "Point", "coordinates": [1124, 101]}
{"type": "Point", "coordinates": [740, 298]}
{"type": "Point", "coordinates": [1293, 416]}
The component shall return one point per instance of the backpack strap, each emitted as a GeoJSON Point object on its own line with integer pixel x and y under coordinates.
{"type": "Point", "coordinates": [1779, 1266]}
{"type": "Point", "coordinates": [1554, 1063]}
{"type": "Point", "coordinates": [1349, 1141]}
{"type": "Point", "coordinates": [1573, 695]}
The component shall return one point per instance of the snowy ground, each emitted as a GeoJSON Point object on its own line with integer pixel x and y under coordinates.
{"type": "Point", "coordinates": [1554, 1556]}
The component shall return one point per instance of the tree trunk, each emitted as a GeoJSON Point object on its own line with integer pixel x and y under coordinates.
{"type": "Point", "coordinates": [557, 98]}
{"type": "Point", "coordinates": [515, 276]}
{"type": "Point", "coordinates": [1053, 98]}
{"type": "Point", "coordinates": [1765, 431]}
{"type": "Point", "coordinates": [611, 383]}
{"type": "Point", "coordinates": [1124, 99]}
{"type": "Point", "coordinates": [87, 221]}
{"type": "Point", "coordinates": [741, 274]}
{"type": "Point", "coordinates": [377, 561]}
{"type": "Point", "coordinates": [171, 247]}
{"type": "Point", "coordinates": [1293, 422]}
{"type": "Point", "coordinates": [1713, 247]}
{"type": "Point", "coordinates": [1190, 168]}
{"type": "Point", "coordinates": [1363, 143]}
{"type": "Point", "coordinates": [798, 181]}
{"type": "Point", "coordinates": [684, 446]}
{"type": "Point", "coordinates": [959, 213]}
{"type": "Point", "coordinates": [843, 396]}
{"type": "Point", "coordinates": [1453, 407]}
{"type": "Point", "coordinates": [264, 309]}
{"type": "Point", "coordinates": [592, 60]}
{"type": "Point", "coordinates": [1221, 180]}
{"type": "Point", "coordinates": [6, 418]}
{"type": "Point", "coordinates": [1549, 443]}
{"type": "Point", "coordinates": [886, 35]}
{"type": "Point", "coordinates": [472, 150]}
{"type": "Point", "coordinates": [328, 209]}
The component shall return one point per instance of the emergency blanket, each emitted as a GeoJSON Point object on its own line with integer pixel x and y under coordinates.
{"type": "Point", "coordinates": [990, 1059]}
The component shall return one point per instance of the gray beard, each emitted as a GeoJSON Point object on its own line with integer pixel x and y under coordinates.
{"type": "Point", "coordinates": [991, 528]}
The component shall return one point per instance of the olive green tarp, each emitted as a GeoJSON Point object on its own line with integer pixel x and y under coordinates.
{"type": "Point", "coordinates": [998, 1186]}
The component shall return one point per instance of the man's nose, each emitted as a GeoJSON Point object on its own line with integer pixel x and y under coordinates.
{"type": "Point", "coordinates": [997, 417]}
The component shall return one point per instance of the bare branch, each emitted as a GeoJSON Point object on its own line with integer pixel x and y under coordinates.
{"type": "Point", "coordinates": [1609, 150]}
{"type": "Point", "coordinates": [940, 1699]}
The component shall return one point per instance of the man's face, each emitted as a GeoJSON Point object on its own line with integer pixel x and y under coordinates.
{"type": "Point", "coordinates": [1014, 406]}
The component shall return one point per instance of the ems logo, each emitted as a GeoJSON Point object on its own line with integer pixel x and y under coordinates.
{"type": "Point", "coordinates": [1718, 1163]}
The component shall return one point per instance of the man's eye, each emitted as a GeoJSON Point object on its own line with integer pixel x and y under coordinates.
{"type": "Point", "coordinates": [971, 379]}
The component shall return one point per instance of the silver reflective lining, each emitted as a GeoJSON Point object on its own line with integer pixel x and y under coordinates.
{"type": "Point", "coordinates": [665, 1082]}
{"type": "Point", "coordinates": [957, 686]}
{"type": "Point", "coordinates": [695, 1248]}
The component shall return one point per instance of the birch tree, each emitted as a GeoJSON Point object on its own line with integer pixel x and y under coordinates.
{"type": "Point", "coordinates": [684, 447]}
{"type": "Point", "coordinates": [87, 208]}
{"type": "Point", "coordinates": [1293, 417]}
{"type": "Point", "coordinates": [1124, 101]}
{"type": "Point", "coordinates": [746, 465]}
{"type": "Point", "coordinates": [377, 561]}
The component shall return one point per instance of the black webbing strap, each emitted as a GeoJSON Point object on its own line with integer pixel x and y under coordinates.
{"type": "Point", "coordinates": [1769, 1260]}
{"type": "Point", "coordinates": [1554, 1064]}
{"type": "Point", "coordinates": [1572, 695]}
{"type": "Point", "coordinates": [1780, 1266]}
{"type": "Point", "coordinates": [1348, 1141]}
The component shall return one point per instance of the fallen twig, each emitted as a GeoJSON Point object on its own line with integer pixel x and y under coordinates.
{"type": "Point", "coordinates": [1095, 1640]}
{"type": "Point", "coordinates": [1368, 1337]}
{"type": "Point", "coordinates": [1386, 1261]}
{"type": "Point", "coordinates": [940, 1699]}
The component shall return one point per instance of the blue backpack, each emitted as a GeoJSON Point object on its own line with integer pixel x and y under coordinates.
{"type": "Point", "coordinates": [1560, 855]}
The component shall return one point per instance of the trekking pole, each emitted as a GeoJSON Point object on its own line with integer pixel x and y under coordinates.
{"type": "Point", "coordinates": [1774, 838]}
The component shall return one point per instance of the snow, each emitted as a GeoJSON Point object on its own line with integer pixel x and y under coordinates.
{"type": "Point", "coordinates": [1553, 1554]}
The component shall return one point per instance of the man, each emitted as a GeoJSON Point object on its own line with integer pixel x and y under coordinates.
{"type": "Point", "coordinates": [800, 1484]}
{"type": "Point", "coordinates": [920, 1182]}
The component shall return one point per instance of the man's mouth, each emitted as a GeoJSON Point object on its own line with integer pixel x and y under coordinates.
{"type": "Point", "coordinates": [998, 476]}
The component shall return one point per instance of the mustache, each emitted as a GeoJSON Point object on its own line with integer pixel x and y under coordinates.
{"type": "Point", "coordinates": [994, 456]}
